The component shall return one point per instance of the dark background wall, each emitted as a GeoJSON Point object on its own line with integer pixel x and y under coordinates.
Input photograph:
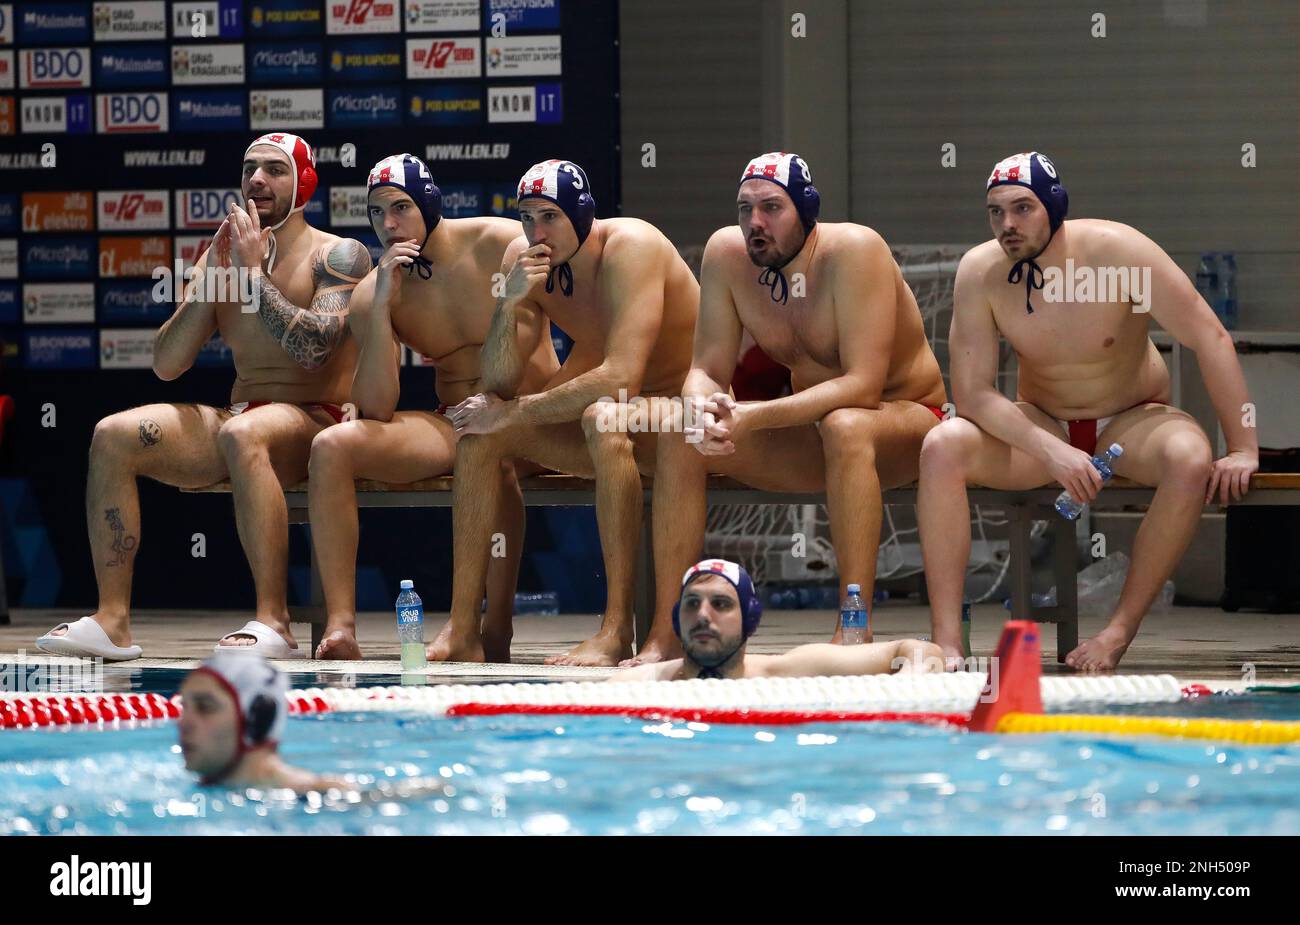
{"type": "Point", "coordinates": [43, 468]}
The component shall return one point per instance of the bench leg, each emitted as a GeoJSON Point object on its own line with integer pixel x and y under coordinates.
{"type": "Point", "coordinates": [1067, 586]}
{"type": "Point", "coordinates": [1020, 521]}
{"type": "Point", "coordinates": [644, 599]}
{"type": "Point", "coordinates": [317, 601]}
{"type": "Point", "coordinates": [314, 613]}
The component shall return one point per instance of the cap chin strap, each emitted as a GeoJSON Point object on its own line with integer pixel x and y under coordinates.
{"type": "Point", "coordinates": [565, 272]}
{"type": "Point", "coordinates": [771, 277]}
{"type": "Point", "coordinates": [421, 264]}
{"type": "Point", "coordinates": [272, 248]}
{"type": "Point", "coordinates": [566, 279]}
{"type": "Point", "coordinates": [240, 751]}
{"type": "Point", "coordinates": [713, 671]}
{"type": "Point", "coordinates": [1034, 278]}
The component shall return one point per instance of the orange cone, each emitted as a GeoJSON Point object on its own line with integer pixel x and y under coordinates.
{"type": "Point", "coordinates": [1014, 676]}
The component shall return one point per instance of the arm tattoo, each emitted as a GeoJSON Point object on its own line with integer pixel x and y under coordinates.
{"type": "Point", "coordinates": [310, 335]}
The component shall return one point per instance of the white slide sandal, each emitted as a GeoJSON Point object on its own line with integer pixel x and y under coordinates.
{"type": "Point", "coordinates": [269, 643]}
{"type": "Point", "coordinates": [85, 638]}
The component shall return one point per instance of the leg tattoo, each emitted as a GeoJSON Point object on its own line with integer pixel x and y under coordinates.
{"type": "Point", "coordinates": [122, 544]}
{"type": "Point", "coordinates": [150, 433]}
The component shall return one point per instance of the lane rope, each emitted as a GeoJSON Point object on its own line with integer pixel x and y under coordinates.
{"type": "Point", "coordinates": [927, 699]}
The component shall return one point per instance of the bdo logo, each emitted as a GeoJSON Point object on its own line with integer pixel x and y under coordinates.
{"type": "Point", "coordinates": [132, 112]}
{"type": "Point", "coordinates": [41, 68]}
{"type": "Point", "coordinates": [204, 208]}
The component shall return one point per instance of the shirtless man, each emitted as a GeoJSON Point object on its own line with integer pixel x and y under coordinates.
{"type": "Point", "coordinates": [719, 610]}
{"type": "Point", "coordinates": [441, 307]}
{"type": "Point", "coordinates": [832, 305]}
{"type": "Point", "coordinates": [293, 367]}
{"type": "Point", "coordinates": [1089, 377]}
{"type": "Point", "coordinates": [619, 288]}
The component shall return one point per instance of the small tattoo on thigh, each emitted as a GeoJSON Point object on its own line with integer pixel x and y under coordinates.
{"type": "Point", "coordinates": [122, 542]}
{"type": "Point", "coordinates": [150, 433]}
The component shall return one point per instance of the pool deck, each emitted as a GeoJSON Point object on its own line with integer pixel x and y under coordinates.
{"type": "Point", "coordinates": [1191, 643]}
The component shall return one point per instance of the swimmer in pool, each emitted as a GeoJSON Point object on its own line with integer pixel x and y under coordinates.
{"type": "Point", "coordinates": [235, 712]}
{"type": "Point", "coordinates": [719, 610]}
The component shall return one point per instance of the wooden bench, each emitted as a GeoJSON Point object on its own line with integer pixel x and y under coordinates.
{"type": "Point", "coordinates": [1022, 507]}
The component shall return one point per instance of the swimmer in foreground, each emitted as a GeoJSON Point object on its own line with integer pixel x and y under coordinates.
{"type": "Point", "coordinates": [234, 713]}
{"type": "Point", "coordinates": [719, 610]}
{"type": "Point", "coordinates": [235, 710]}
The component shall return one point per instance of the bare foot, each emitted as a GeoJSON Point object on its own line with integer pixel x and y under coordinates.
{"type": "Point", "coordinates": [451, 647]}
{"type": "Point", "coordinates": [117, 629]}
{"type": "Point", "coordinates": [604, 650]}
{"type": "Point", "coordinates": [340, 644]}
{"type": "Point", "coordinates": [1102, 652]}
{"type": "Point", "coordinates": [838, 637]}
{"type": "Point", "coordinates": [496, 644]}
{"type": "Point", "coordinates": [954, 653]}
{"type": "Point", "coordinates": [659, 647]}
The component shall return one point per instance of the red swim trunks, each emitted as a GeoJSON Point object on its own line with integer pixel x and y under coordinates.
{"type": "Point", "coordinates": [938, 412]}
{"type": "Point", "coordinates": [334, 411]}
{"type": "Point", "coordinates": [1083, 432]}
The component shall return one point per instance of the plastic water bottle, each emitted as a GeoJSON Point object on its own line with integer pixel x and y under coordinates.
{"type": "Point", "coordinates": [1226, 308]}
{"type": "Point", "coordinates": [853, 618]}
{"type": "Point", "coordinates": [1207, 278]}
{"type": "Point", "coordinates": [540, 602]}
{"type": "Point", "coordinates": [410, 626]}
{"type": "Point", "coordinates": [1070, 509]}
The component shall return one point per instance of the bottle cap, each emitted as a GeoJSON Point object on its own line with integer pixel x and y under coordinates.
{"type": "Point", "coordinates": [1116, 450]}
{"type": "Point", "coordinates": [855, 589]}
{"type": "Point", "coordinates": [407, 584]}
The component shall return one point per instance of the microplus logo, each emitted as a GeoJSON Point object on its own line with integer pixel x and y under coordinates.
{"type": "Point", "coordinates": [103, 878]}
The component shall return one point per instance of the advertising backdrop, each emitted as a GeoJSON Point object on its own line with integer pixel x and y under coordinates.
{"type": "Point", "coordinates": [122, 128]}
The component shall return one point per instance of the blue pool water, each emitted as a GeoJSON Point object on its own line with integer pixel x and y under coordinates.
{"type": "Point", "coordinates": [606, 775]}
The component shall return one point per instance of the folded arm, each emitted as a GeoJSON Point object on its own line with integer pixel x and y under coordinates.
{"type": "Point", "coordinates": [634, 293]}
{"type": "Point", "coordinates": [864, 297]}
